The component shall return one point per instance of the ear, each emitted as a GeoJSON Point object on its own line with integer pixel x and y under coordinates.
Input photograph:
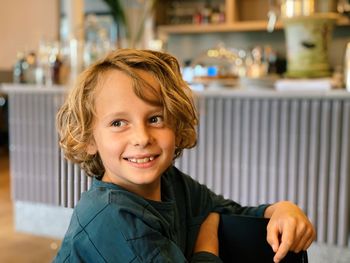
{"type": "Point", "coordinates": [91, 147]}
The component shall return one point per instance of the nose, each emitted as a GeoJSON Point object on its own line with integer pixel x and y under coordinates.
{"type": "Point", "coordinates": [141, 136]}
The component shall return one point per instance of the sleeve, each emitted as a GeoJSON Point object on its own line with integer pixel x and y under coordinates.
{"type": "Point", "coordinates": [205, 257]}
{"type": "Point", "coordinates": [77, 246]}
{"type": "Point", "coordinates": [197, 201]}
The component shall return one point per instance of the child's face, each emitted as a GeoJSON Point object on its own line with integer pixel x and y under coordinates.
{"type": "Point", "coordinates": [135, 144]}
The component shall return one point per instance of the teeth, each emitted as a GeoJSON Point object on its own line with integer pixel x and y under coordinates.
{"type": "Point", "coordinates": [142, 160]}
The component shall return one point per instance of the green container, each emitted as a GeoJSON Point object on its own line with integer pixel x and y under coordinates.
{"type": "Point", "coordinates": [308, 40]}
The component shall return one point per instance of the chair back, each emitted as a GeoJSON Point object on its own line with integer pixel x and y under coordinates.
{"type": "Point", "coordinates": [242, 239]}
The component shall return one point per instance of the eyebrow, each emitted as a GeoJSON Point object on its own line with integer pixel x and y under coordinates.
{"type": "Point", "coordinates": [154, 109]}
{"type": "Point", "coordinates": [115, 114]}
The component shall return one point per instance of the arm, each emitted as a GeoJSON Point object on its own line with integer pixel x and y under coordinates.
{"type": "Point", "coordinates": [288, 230]}
{"type": "Point", "coordinates": [207, 239]}
{"type": "Point", "coordinates": [207, 244]}
{"type": "Point", "coordinates": [286, 218]}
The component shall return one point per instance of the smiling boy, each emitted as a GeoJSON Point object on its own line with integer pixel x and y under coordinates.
{"type": "Point", "coordinates": [131, 137]}
{"type": "Point", "coordinates": [125, 122]}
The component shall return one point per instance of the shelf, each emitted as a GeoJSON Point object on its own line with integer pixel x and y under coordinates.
{"type": "Point", "coordinates": [231, 27]}
{"type": "Point", "coordinates": [241, 16]}
{"type": "Point", "coordinates": [344, 21]}
{"type": "Point", "coordinates": [243, 26]}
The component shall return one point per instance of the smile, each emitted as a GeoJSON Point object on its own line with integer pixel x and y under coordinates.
{"type": "Point", "coordinates": [141, 160]}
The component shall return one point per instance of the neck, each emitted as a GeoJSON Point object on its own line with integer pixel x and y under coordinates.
{"type": "Point", "coordinates": [150, 191]}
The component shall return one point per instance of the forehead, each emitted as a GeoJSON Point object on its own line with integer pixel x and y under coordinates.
{"type": "Point", "coordinates": [135, 77]}
{"type": "Point", "coordinates": [113, 78]}
{"type": "Point", "coordinates": [140, 82]}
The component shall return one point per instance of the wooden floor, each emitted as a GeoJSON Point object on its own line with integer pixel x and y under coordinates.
{"type": "Point", "coordinates": [19, 247]}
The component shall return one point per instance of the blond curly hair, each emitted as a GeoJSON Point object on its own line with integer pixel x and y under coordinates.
{"type": "Point", "coordinates": [75, 117]}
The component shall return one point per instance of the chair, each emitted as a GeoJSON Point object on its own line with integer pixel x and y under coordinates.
{"type": "Point", "coordinates": [242, 239]}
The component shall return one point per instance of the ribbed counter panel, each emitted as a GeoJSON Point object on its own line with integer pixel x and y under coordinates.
{"type": "Point", "coordinates": [34, 154]}
{"type": "Point", "coordinates": [264, 150]}
{"type": "Point", "coordinates": [252, 148]}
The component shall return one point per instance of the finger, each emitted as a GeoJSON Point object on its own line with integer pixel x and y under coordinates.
{"type": "Point", "coordinates": [310, 240]}
{"type": "Point", "coordinates": [308, 243]}
{"type": "Point", "coordinates": [307, 238]}
{"type": "Point", "coordinates": [282, 251]}
{"type": "Point", "coordinates": [300, 244]}
{"type": "Point", "coordinates": [272, 236]}
{"type": "Point", "coordinates": [286, 243]}
{"type": "Point", "coordinates": [301, 236]}
{"type": "Point", "coordinates": [298, 240]}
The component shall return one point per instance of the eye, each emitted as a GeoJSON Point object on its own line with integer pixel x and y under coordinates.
{"type": "Point", "coordinates": [156, 120]}
{"type": "Point", "coordinates": [118, 123]}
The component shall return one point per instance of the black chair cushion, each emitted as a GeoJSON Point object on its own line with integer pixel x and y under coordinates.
{"type": "Point", "coordinates": [243, 240]}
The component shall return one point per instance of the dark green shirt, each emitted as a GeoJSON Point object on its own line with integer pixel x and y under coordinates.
{"type": "Point", "coordinates": [110, 224]}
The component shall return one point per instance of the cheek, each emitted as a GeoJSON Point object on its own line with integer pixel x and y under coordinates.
{"type": "Point", "coordinates": [104, 142]}
{"type": "Point", "coordinates": [168, 141]}
{"type": "Point", "coordinates": [111, 144]}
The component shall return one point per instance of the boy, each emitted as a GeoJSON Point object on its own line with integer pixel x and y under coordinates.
{"type": "Point", "coordinates": [128, 118]}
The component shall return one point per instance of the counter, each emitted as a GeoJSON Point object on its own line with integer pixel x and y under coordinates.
{"type": "Point", "coordinates": [235, 92]}
{"type": "Point", "coordinates": [255, 146]}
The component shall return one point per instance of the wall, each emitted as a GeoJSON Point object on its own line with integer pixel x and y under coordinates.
{"type": "Point", "coordinates": [23, 24]}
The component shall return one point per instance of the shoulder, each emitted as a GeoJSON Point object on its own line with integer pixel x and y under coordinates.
{"type": "Point", "coordinates": [118, 211]}
{"type": "Point", "coordinates": [180, 179]}
{"type": "Point", "coordinates": [91, 204]}
{"type": "Point", "coordinates": [107, 216]}
{"type": "Point", "coordinates": [176, 176]}
{"type": "Point", "coordinates": [116, 226]}
{"type": "Point", "coordinates": [116, 206]}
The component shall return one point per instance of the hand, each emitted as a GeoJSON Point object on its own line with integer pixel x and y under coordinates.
{"type": "Point", "coordinates": [288, 229]}
{"type": "Point", "coordinates": [207, 239]}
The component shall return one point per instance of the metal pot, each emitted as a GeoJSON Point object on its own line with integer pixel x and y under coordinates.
{"type": "Point", "coordinates": [297, 8]}
{"type": "Point", "coordinates": [293, 8]}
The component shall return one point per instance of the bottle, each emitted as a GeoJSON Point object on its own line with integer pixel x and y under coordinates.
{"type": "Point", "coordinates": [206, 13]}
{"type": "Point", "coordinates": [187, 72]}
{"type": "Point", "coordinates": [215, 15]}
{"type": "Point", "coordinates": [197, 18]}
{"type": "Point", "coordinates": [222, 13]}
{"type": "Point", "coordinates": [30, 69]}
{"type": "Point", "coordinates": [347, 67]}
{"type": "Point", "coordinates": [18, 69]}
{"type": "Point", "coordinates": [56, 70]}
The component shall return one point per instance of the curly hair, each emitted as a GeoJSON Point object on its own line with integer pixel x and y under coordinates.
{"type": "Point", "coordinates": [75, 117]}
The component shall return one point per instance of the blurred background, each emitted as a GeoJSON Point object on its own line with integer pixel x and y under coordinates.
{"type": "Point", "coordinates": [249, 49]}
